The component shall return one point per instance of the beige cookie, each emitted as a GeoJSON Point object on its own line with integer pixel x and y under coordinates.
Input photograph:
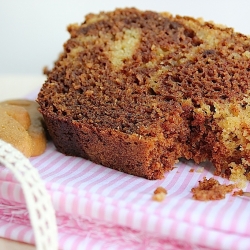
{"type": "Point", "coordinates": [18, 113]}
{"type": "Point", "coordinates": [14, 132]}
{"type": "Point", "coordinates": [25, 126]}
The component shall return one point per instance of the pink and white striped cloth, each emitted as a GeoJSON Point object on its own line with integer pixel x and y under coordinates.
{"type": "Point", "coordinates": [100, 208]}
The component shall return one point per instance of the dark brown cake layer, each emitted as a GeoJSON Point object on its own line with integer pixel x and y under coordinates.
{"type": "Point", "coordinates": [135, 91]}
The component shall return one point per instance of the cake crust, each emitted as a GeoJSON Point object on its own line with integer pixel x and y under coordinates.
{"type": "Point", "coordinates": [136, 90]}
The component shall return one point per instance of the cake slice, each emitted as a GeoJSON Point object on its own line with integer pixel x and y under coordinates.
{"type": "Point", "coordinates": [137, 90]}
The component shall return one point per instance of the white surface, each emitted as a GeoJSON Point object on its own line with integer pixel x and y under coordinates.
{"type": "Point", "coordinates": [18, 86]}
{"type": "Point", "coordinates": [33, 32]}
{"type": "Point", "coordinates": [12, 245]}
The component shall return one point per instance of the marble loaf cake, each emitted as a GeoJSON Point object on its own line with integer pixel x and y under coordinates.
{"type": "Point", "coordinates": [137, 90]}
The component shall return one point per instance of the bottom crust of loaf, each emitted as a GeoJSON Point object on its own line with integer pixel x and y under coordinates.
{"type": "Point", "coordinates": [146, 157]}
{"type": "Point", "coordinates": [128, 153]}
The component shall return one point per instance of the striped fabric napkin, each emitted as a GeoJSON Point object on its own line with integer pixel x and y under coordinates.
{"type": "Point", "coordinates": [100, 208]}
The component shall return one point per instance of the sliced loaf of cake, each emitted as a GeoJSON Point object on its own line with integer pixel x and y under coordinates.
{"type": "Point", "coordinates": [137, 90]}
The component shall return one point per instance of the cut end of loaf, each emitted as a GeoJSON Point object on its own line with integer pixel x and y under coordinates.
{"type": "Point", "coordinates": [136, 90]}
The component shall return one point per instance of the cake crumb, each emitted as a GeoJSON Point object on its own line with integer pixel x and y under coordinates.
{"type": "Point", "coordinates": [238, 192]}
{"type": "Point", "coordinates": [211, 189]}
{"type": "Point", "coordinates": [199, 170]}
{"type": "Point", "coordinates": [238, 175]}
{"type": "Point", "coordinates": [159, 194]}
{"type": "Point", "coordinates": [191, 170]}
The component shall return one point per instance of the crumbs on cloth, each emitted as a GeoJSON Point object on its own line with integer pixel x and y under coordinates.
{"type": "Point", "coordinates": [211, 189]}
{"type": "Point", "coordinates": [159, 194]}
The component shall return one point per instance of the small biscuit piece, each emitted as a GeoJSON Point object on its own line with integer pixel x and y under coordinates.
{"type": "Point", "coordinates": [159, 194]}
{"type": "Point", "coordinates": [26, 123]}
